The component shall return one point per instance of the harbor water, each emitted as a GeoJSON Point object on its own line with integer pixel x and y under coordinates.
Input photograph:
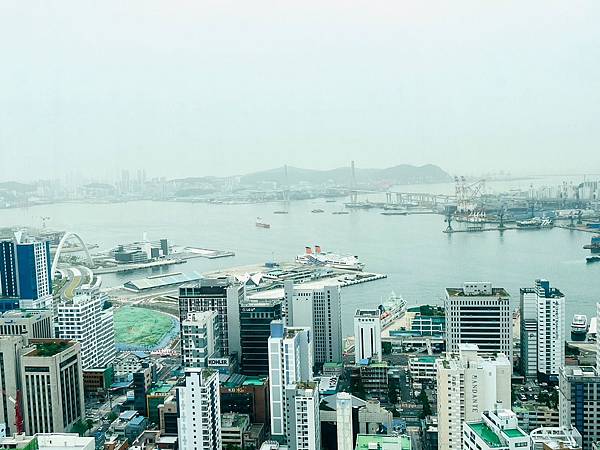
{"type": "Point", "coordinates": [418, 258]}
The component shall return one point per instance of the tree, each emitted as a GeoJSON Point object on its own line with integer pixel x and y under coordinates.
{"type": "Point", "coordinates": [112, 417]}
{"type": "Point", "coordinates": [386, 348]}
{"type": "Point", "coordinates": [79, 427]}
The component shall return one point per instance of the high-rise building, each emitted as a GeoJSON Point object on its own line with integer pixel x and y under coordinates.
{"type": "Point", "coordinates": [216, 294]}
{"type": "Point", "coordinates": [255, 328]}
{"type": "Point", "coordinates": [479, 314]}
{"type": "Point", "coordinates": [367, 335]}
{"type": "Point", "coordinates": [497, 428]}
{"type": "Point", "coordinates": [25, 273]}
{"type": "Point", "coordinates": [199, 424]}
{"type": "Point", "coordinates": [579, 402]}
{"type": "Point", "coordinates": [52, 384]}
{"type": "Point", "coordinates": [11, 349]}
{"type": "Point", "coordinates": [84, 319]}
{"type": "Point", "coordinates": [35, 323]}
{"type": "Point", "coordinates": [469, 384]}
{"type": "Point", "coordinates": [302, 412]}
{"type": "Point", "coordinates": [345, 434]}
{"type": "Point", "coordinates": [597, 340]}
{"type": "Point", "coordinates": [290, 361]}
{"type": "Point", "coordinates": [319, 309]}
{"type": "Point", "coordinates": [200, 338]}
{"type": "Point", "coordinates": [542, 331]}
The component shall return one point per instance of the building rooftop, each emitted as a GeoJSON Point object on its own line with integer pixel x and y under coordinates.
{"type": "Point", "coordinates": [513, 432]}
{"type": "Point", "coordinates": [367, 313]}
{"type": "Point", "coordinates": [382, 442]}
{"type": "Point", "coordinates": [460, 292]}
{"type": "Point", "coordinates": [486, 434]}
{"type": "Point", "coordinates": [49, 347]}
{"type": "Point", "coordinates": [235, 420]}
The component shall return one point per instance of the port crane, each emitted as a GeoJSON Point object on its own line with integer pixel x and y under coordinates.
{"type": "Point", "coordinates": [468, 194]}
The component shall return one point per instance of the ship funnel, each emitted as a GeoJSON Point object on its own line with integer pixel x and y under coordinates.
{"type": "Point", "coordinates": [308, 250]}
{"type": "Point", "coordinates": [317, 249]}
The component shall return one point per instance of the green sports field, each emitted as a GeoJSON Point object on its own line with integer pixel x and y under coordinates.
{"type": "Point", "coordinates": [140, 326]}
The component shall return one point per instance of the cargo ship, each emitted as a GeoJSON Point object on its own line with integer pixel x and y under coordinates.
{"type": "Point", "coordinates": [329, 259]}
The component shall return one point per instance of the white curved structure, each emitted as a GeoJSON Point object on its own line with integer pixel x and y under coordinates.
{"type": "Point", "coordinates": [68, 235]}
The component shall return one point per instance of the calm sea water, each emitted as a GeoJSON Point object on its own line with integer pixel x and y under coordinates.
{"type": "Point", "coordinates": [418, 258]}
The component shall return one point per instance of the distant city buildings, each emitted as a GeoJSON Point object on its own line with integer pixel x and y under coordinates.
{"type": "Point", "coordinates": [25, 274]}
{"type": "Point", "coordinates": [318, 308]}
{"type": "Point", "coordinates": [469, 384]}
{"type": "Point", "coordinates": [542, 330]}
{"type": "Point", "coordinates": [479, 314]}
{"type": "Point", "coordinates": [199, 423]}
{"type": "Point", "coordinates": [367, 335]}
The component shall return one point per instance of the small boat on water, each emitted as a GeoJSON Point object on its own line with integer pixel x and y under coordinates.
{"type": "Point", "coordinates": [340, 212]}
{"type": "Point", "coordinates": [261, 223]}
{"type": "Point", "coordinates": [529, 224]}
{"type": "Point", "coordinates": [591, 259]}
{"type": "Point", "coordinates": [331, 200]}
{"type": "Point", "coordinates": [394, 213]}
{"type": "Point", "coordinates": [316, 211]}
{"type": "Point", "coordinates": [393, 309]}
{"type": "Point", "coordinates": [329, 259]}
{"type": "Point", "coordinates": [579, 326]}
{"type": "Point", "coordinates": [280, 212]}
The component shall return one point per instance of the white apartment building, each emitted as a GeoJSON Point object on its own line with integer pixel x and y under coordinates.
{"type": "Point", "coordinates": [469, 384]}
{"type": "Point", "coordinates": [290, 361]}
{"type": "Point", "coordinates": [200, 335]}
{"type": "Point", "coordinates": [35, 323]}
{"type": "Point", "coordinates": [555, 438]}
{"type": "Point", "coordinates": [422, 369]}
{"type": "Point", "coordinates": [84, 320]}
{"type": "Point", "coordinates": [479, 314]}
{"type": "Point", "coordinates": [344, 421]}
{"type": "Point", "coordinates": [304, 424]}
{"type": "Point", "coordinates": [199, 422]}
{"type": "Point", "coordinates": [367, 335]}
{"type": "Point", "coordinates": [497, 428]}
{"type": "Point", "coordinates": [51, 441]}
{"type": "Point", "coordinates": [317, 307]}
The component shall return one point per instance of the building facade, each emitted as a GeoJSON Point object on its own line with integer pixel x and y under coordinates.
{"type": "Point", "coordinates": [479, 314]}
{"type": "Point", "coordinates": [11, 349]}
{"type": "Point", "coordinates": [199, 424]}
{"type": "Point", "coordinates": [303, 431]}
{"type": "Point", "coordinates": [469, 384]}
{"type": "Point", "coordinates": [255, 328]}
{"type": "Point", "coordinates": [290, 361]}
{"type": "Point", "coordinates": [345, 435]}
{"type": "Point", "coordinates": [200, 338]}
{"type": "Point", "coordinates": [367, 335]}
{"type": "Point", "coordinates": [35, 323]}
{"type": "Point", "coordinates": [222, 296]}
{"type": "Point", "coordinates": [52, 384]}
{"type": "Point", "coordinates": [318, 308]}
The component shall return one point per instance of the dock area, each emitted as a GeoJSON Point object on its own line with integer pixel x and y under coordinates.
{"type": "Point", "coordinates": [199, 252]}
{"type": "Point", "coordinates": [137, 266]}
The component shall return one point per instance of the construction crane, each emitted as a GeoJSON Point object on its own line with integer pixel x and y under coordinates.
{"type": "Point", "coordinates": [468, 195]}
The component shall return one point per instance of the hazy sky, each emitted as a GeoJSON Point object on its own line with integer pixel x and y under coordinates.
{"type": "Point", "coordinates": [220, 87]}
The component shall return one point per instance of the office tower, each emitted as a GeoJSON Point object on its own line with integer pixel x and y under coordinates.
{"type": "Point", "coordinates": [319, 309]}
{"type": "Point", "coordinates": [35, 323]}
{"type": "Point", "coordinates": [467, 385]}
{"type": "Point", "coordinates": [199, 424]}
{"type": "Point", "coordinates": [344, 421]}
{"type": "Point", "coordinates": [367, 335]}
{"type": "Point", "coordinates": [290, 361]}
{"type": "Point", "coordinates": [25, 273]}
{"type": "Point", "coordinates": [542, 331]}
{"type": "Point", "coordinates": [142, 381]}
{"type": "Point", "coordinates": [52, 385]}
{"type": "Point", "coordinates": [11, 349]}
{"type": "Point", "coordinates": [479, 314]}
{"type": "Point", "coordinates": [303, 422]}
{"type": "Point", "coordinates": [579, 402]}
{"type": "Point", "coordinates": [497, 428]}
{"type": "Point", "coordinates": [555, 438]}
{"type": "Point", "coordinates": [216, 294]}
{"type": "Point", "coordinates": [597, 340]}
{"type": "Point", "coordinates": [83, 319]}
{"type": "Point", "coordinates": [255, 328]}
{"type": "Point", "coordinates": [200, 336]}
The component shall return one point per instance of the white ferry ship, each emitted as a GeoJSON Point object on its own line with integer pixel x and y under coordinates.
{"type": "Point", "coordinates": [579, 325]}
{"type": "Point", "coordinates": [329, 259]}
{"type": "Point", "coordinates": [393, 309]}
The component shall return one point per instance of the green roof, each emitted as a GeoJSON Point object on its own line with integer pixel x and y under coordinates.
{"type": "Point", "coordinates": [254, 381]}
{"type": "Point", "coordinates": [513, 433]}
{"type": "Point", "coordinates": [487, 435]}
{"type": "Point", "coordinates": [164, 388]}
{"type": "Point", "coordinates": [384, 442]}
{"type": "Point", "coordinates": [427, 359]}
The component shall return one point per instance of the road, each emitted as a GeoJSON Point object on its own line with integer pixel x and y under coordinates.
{"type": "Point", "coordinates": [76, 276]}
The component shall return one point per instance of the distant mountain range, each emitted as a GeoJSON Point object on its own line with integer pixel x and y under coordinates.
{"type": "Point", "coordinates": [401, 174]}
